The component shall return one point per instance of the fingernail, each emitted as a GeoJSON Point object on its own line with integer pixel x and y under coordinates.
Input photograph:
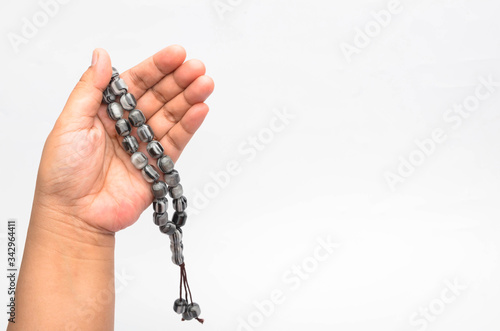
{"type": "Point", "coordinates": [95, 56]}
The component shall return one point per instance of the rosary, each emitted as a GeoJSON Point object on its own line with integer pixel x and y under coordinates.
{"type": "Point", "coordinates": [117, 88]}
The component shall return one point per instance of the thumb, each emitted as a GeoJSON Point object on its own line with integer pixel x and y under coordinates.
{"type": "Point", "coordinates": [85, 99]}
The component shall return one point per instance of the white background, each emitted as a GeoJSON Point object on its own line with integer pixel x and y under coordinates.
{"type": "Point", "coordinates": [321, 177]}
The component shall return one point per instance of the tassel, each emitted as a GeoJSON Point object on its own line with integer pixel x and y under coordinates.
{"type": "Point", "coordinates": [190, 310]}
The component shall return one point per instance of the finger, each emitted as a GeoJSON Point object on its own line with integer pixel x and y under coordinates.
{"type": "Point", "coordinates": [149, 72]}
{"type": "Point", "coordinates": [174, 110]}
{"type": "Point", "coordinates": [85, 99]}
{"type": "Point", "coordinates": [180, 134]}
{"type": "Point", "coordinates": [170, 86]}
{"type": "Point", "coordinates": [146, 73]}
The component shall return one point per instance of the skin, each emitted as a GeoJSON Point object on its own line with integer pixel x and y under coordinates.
{"type": "Point", "coordinates": [83, 192]}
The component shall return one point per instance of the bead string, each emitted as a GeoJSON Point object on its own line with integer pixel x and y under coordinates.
{"type": "Point", "coordinates": [118, 99]}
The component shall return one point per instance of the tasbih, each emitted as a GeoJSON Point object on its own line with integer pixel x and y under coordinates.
{"type": "Point", "coordinates": [118, 99]}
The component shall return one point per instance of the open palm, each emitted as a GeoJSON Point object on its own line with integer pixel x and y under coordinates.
{"type": "Point", "coordinates": [84, 170]}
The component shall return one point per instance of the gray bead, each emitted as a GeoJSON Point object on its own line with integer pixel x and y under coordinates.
{"type": "Point", "coordinates": [177, 257]}
{"type": "Point", "coordinates": [176, 247]}
{"type": "Point", "coordinates": [136, 117]}
{"type": "Point", "coordinates": [118, 86]}
{"type": "Point", "coordinates": [150, 174]}
{"type": "Point", "coordinates": [180, 305]}
{"type": "Point", "coordinates": [165, 164]}
{"type": "Point", "coordinates": [115, 111]}
{"type": "Point", "coordinates": [128, 101]}
{"type": "Point", "coordinates": [155, 149]}
{"type": "Point", "coordinates": [160, 205]}
{"type": "Point", "coordinates": [159, 189]}
{"type": "Point", "coordinates": [187, 316]}
{"type": "Point", "coordinates": [145, 133]}
{"type": "Point", "coordinates": [139, 160]}
{"type": "Point", "coordinates": [175, 192]}
{"type": "Point", "coordinates": [180, 204]}
{"type": "Point", "coordinates": [169, 228]}
{"type": "Point", "coordinates": [123, 127]}
{"type": "Point", "coordinates": [130, 144]}
{"type": "Point", "coordinates": [108, 96]}
{"type": "Point", "coordinates": [179, 219]}
{"type": "Point", "coordinates": [114, 73]}
{"type": "Point", "coordinates": [160, 219]}
{"type": "Point", "coordinates": [193, 310]}
{"type": "Point", "coordinates": [172, 178]}
{"type": "Point", "coordinates": [176, 238]}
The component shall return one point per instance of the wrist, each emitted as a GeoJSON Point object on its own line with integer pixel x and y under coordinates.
{"type": "Point", "coordinates": [69, 266]}
{"type": "Point", "coordinates": [67, 234]}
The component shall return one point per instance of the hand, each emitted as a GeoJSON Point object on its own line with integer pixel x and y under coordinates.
{"type": "Point", "coordinates": [85, 176]}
